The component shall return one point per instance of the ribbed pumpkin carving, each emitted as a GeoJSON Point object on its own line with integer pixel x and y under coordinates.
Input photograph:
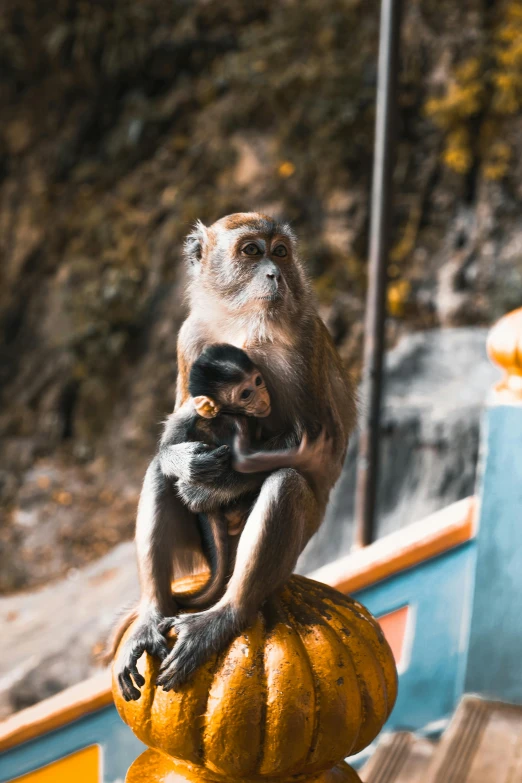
{"type": "Point", "coordinates": [311, 682]}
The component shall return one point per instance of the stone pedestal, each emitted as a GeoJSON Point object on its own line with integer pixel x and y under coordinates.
{"type": "Point", "coordinates": [154, 767]}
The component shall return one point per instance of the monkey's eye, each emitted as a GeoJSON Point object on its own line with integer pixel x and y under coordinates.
{"type": "Point", "coordinates": [251, 249]}
{"type": "Point", "coordinates": [280, 251]}
{"type": "Point", "coordinates": [258, 380]}
{"type": "Point", "coordinates": [245, 394]}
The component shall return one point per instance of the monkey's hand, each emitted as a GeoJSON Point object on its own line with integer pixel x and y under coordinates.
{"type": "Point", "coordinates": [194, 462]}
{"type": "Point", "coordinates": [208, 465]}
{"type": "Point", "coordinates": [314, 456]}
{"type": "Point", "coordinates": [309, 457]}
{"type": "Point", "coordinates": [145, 638]}
{"type": "Point", "coordinates": [199, 636]}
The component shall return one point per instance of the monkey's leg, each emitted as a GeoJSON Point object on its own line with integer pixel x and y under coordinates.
{"type": "Point", "coordinates": [284, 517]}
{"type": "Point", "coordinates": [166, 541]}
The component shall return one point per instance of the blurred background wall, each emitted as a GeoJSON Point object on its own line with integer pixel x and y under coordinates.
{"type": "Point", "coordinates": [124, 121]}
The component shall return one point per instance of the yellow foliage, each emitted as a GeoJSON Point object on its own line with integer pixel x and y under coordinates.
{"type": "Point", "coordinates": [286, 169]}
{"type": "Point", "coordinates": [63, 498]}
{"type": "Point", "coordinates": [407, 242]}
{"type": "Point", "coordinates": [457, 154]}
{"type": "Point", "coordinates": [468, 71]}
{"type": "Point", "coordinates": [397, 296]}
{"type": "Point", "coordinates": [514, 12]}
{"type": "Point", "coordinates": [497, 163]}
{"type": "Point", "coordinates": [507, 73]}
{"type": "Point", "coordinates": [463, 97]}
{"type": "Point", "coordinates": [492, 85]}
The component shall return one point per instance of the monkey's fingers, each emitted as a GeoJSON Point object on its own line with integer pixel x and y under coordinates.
{"type": "Point", "coordinates": [320, 448]}
{"type": "Point", "coordinates": [200, 636]}
{"type": "Point", "coordinates": [128, 691]}
{"type": "Point", "coordinates": [138, 678]}
{"type": "Point", "coordinates": [304, 445]}
{"type": "Point", "coordinates": [209, 467]}
{"type": "Point", "coordinates": [166, 672]}
{"type": "Point", "coordinates": [166, 626]}
{"type": "Point", "coordinates": [183, 662]}
{"type": "Point", "coordinates": [221, 453]}
{"type": "Point", "coordinates": [171, 680]}
{"type": "Point", "coordinates": [159, 647]}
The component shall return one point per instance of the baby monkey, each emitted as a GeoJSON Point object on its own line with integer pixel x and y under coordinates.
{"type": "Point", "coordinates": [227, 395]}
{"type": "Point", "coordinates": [225, 389]}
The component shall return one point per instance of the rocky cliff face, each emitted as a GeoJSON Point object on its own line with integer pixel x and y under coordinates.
{"type": "Point", "coordinates": [123, 122]}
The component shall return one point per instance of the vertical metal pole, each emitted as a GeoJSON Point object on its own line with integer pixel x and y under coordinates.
{"type": "Point", "coordinates": [368, 457]}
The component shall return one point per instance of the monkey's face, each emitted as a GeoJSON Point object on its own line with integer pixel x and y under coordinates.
{"type": "Point", "coordinates": [248, 261]}
{"type": "Point", "coordinates": [249, 398]}
{"type": "Point", "coordinates": [255, 271]}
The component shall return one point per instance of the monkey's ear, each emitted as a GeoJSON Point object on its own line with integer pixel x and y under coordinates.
{"type": "Point", "coordinates": [206, 407]}
{"type": "Point", "coordinates": [193, 247]}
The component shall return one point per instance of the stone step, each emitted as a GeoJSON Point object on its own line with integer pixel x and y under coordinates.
{"type": "Point", "coordinates": [399, 758]}
{"type": "Point", "coordinates": [483, 744]}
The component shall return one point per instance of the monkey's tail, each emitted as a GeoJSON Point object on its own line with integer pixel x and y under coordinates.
{"type": "Point", "coordinates": [214, 535]}
{"type": "Point", "coordinates": [113, 643]}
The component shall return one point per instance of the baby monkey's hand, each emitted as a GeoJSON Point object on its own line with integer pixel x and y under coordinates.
{"type": "Point", "coordinates": [311, 456]}
{"type": "Point", "coordinates": [308, 457]}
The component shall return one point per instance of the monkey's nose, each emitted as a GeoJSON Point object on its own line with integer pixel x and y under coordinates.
{"type": "Point", "coordinates": [274, 276]}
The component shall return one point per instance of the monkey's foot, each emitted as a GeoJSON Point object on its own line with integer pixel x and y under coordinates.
{"type": "Point", "coordinates": [198, 637]}
{"type": "Point", "coordinates": [146, 638]}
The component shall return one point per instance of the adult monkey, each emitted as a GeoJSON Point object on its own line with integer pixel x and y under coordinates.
{"type": "Point", "coordinates": [246, 287]}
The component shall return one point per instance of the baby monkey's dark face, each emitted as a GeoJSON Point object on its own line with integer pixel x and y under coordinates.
{"type": "Point", "coordinates": [249, 397]}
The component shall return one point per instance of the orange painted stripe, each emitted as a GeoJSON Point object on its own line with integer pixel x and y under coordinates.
{"type": "Point", "coordinates": [66, 706]}
{"type": "Point", "coordinates": [403, 549]}
{"type": "Point", "coordinates": [80, 767]}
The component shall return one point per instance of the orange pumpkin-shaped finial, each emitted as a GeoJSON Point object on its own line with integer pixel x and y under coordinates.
{"type": "Point", "coordinates": [310, 682]}
{"type": "Point", "coordinates": [505, 349]}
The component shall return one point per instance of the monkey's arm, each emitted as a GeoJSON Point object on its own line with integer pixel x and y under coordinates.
{"type": "Point", "coordinates": [167, 544]}
{"type": "Point", "coordinates": [194, 462]}
{"type": "Point", "coordinates": [227, 487]}
{"type": "Point", "coordinates": [181, 456]}
{"type": "Point", "coordinates": [310, 456]}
